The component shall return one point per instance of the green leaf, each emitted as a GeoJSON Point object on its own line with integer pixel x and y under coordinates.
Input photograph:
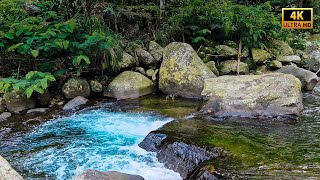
{"type": "Point", "coordinates": [44, 83]}
{"type": "Point", "coordinates": [9, 36]}
{"type": "Point", "coordinates": [35, 53]}
{"type": "Point", "coordinates": [19, 32]}
{"type": "Point", "coordinates": [30, 74]}
{"type": "Point", "coordinates": [1, 45]}
{"type": "Point", "coordinates": [14, 47]}
{"type": "Point", "coordinates": [29, 92]}
{"type": "Point", "coordinates": [60, 72]}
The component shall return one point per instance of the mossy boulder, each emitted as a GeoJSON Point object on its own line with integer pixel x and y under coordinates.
{"type": "Point", "coordinates": [17, 101]}
{"type": "Point", "coordinates": [308, 79]}
{"type": "Point", "coordinates": [127, 61]}
{"type": "Point", "coordinates": [231, 44]}
{"type": "Point", "coordinates": [276, 64]}
{"type": "Point", "coordinates": [129, 85]}
{"type": "Point", "coordinates": [96, 86]}
{"type": "Point", "coordinates": [230, 67]}
{"type": "Point", "coordinates": [226, 50]}
{"type": "Point", "coordinates": [281, 48]}
{"type": "Point", "coordinates": [7, 172]}
{"type": "Point", "coordinates": [212, 66]}
{"type": "Point", "coordinates": [155, 50]}
{"type": "Point", "coordinates": [260, 55]}
{"type": "Point", "coordinates": [182, 72]}
{"type": "Point", "coordinates": [76, 87]}
{"type": "Point", "coordinates": [314, 37]}
{"type": "Point", "coordinates": [273, 94]}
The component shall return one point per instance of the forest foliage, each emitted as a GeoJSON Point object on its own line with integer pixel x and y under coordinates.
{"type": "Point", "coordinates": [42, 40]}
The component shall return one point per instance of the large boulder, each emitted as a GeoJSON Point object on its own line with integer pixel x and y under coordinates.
{"type": "Point", "coordinates": [155, 50]}
{"type": "Point", "coordinates": [129, 85]}
{"type": "Point", "coordinates": [127, 61]}
{"type": "Point", "coordinates": [90, 174]}
{"type": "Point", "coordinates": [230, 67]}
{"type": "Point", "coordinates": [17, 101]}
{"type": "Point", "coordinates": [273, 94]}
{"type": "Point", "coordinates": [76, 87]}
{"type": "Point", "coordinates": [281, 48]}
{"type": "Point", "coordinates": [5, 115]}
{"type": "Point", "coordinates": [314, 37]}
{"type": "Point", "coordinates": [75, 103]}
{"type": "Point", "coordinates": [182, 72]}
{"type": "Point", "coordinates": [7, 172]}
{"type": "Point", "coordinates": [312, 57]}
{"type": "Point", "coordinates": [144, 57]}
{"type": "Point", "coordinates": [308, 79]}
{"type": "Point", "coordinates": [226, 50]}
{"type": "Point", "coordinates": [260, 55]}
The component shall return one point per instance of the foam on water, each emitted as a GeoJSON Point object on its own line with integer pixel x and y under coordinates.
{"type": "Point", "coordinates": [94, 139]}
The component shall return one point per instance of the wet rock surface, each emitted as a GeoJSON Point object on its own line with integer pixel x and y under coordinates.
{"type": "Point", "coordinates": [110, 175]}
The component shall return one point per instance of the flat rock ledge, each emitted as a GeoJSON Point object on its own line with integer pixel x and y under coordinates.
{"type": "Point", "coordinates": [187, 160]}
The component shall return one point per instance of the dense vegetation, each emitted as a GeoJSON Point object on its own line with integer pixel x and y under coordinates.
{"type": "Point", "coordinates": [43, 41]}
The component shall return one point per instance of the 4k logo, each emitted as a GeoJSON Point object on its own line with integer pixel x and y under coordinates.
{"type": "Point", "coordinates": [297, 18]}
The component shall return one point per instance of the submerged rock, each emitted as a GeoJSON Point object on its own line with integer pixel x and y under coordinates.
{"type": "Point", "coordinates": [17, 101]}
{"type": "Point", "coordinates": [230, 67]}
{"type": "Point", "coordinates": [76, 87]}
{"type": "Point", "coordinates": [182, 72]}
{"type": "Point", "coordinates": [75, 103]}
{"type": "Point", "coordinates": [129, 85]}
{"type": "Point", "coordinates": [7, 172]}
{"type": "Point", "coordinates": [90, 174]}
{"type": "Point", "coordinates": [308, 79]}
{"type": "Point", "coordinates": [273, 94]}
{"type": "Point", "coordinates": [178, 156]}
{"type": "Point", "coordinates": [155, 50]}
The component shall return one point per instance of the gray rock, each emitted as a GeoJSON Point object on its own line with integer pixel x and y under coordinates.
{"type": "Point", "coordinates": [230, 67]}
{"type": "Point", "coordinates": [90, 174]}
{"type": "Point", "coordinates": [7, 172]}
{"type": "Point", "coordinates": [17, 101]}
{"type": "Point", "coordinates": [5, 115]}
{"type": "Point", "coordinates": [312, 57]}
{"type": "Point", "coordinates": [76, 87]}
{"type": "Point", "coordinates": [288, 59]}
{"type": "Point", "coordinates": [316, 89]}
{"type": "Point", "coordinates": [274, 94]}
{"type": "Point", "coordinates": [37, 110]}
{"type": "Point", "coordinates": [156, 50]}
{"type": "Point", "coordinates": [144, 57]}
{"type": "Point", "coordinates": [226, 50]}
{"type": "Point", "coordinates": [96, 86]}
{"type": "Point", "coordinates": [308, 79]}
{"type": "Point", "coordinates": [129, 85]}
{"type": "Point", "coordinates": [127, 61]}
{"type": "Point", "coordinates": [212, 66]}
{"type": "Point", "coordinates": [245, 52]}
{"type": "Point", "coordinates": [75, 103]}
{"type": "Point", "coordinates": [182, 72]}
{"type": "Point", "coordinates": [44, 98]}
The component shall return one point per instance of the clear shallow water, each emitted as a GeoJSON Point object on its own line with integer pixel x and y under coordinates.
{"type": "Point", "coordinates": [95, 139]}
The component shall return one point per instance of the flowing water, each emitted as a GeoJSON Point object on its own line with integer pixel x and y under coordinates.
{"type": "Point", "coordinates": [96, 139]}
{"type": "Point", "coordinates": [106, 137]}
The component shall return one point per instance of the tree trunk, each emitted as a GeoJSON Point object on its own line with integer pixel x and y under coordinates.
{"type": "Point", "coordinates": [239, 56]}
